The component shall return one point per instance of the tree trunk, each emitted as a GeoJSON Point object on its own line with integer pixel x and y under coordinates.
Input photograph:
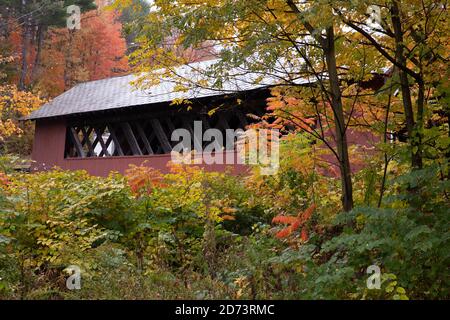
{"type": "Point", "coordinates": [336, 103]}
{"type": "Point", "coordinates": [413, 133]}
{"type": "Point", "coordinates": [24, 65]}
{"type": "Point", "coordinates": [68, 66]}
{"type": "Point", "coordinates": [37, 60]}
{"type": "Point", "coordinates": [339, 120]}
{"type": "Point", "coordinates": [419, 124]}
{"type": "Point", "coordinates": [25, 42]}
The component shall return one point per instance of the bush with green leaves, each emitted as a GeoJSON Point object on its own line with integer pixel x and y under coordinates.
{"type": "Point", "coordinates": [196, 234]}
{"type": "Point", "coordinates": [187, 212]}
{"type": "Point", "coordinates": [408, 238]}
{"type": "Point", "coordinates": [48, 217]}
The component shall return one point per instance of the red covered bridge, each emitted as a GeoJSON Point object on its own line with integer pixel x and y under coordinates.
{"type": "Point", "coordinates": [106, 125]}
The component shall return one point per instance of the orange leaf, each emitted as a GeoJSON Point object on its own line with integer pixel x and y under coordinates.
{"type": "Point", "coordinates": [306, 215]}
{"type": "Point", "coordinates": [296, 225]}
{"type": "Point", "coordinates": [284, 233]}
{"type": "Point", "coordinates": [304, 234]}
{"type": "Point", "coordinates": [228, 217]}
{"type": "Point", "coordinates": [284, 219]}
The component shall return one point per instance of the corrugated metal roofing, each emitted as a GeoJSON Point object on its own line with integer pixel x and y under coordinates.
{"type": "Point", "coordinates": [115, 93]}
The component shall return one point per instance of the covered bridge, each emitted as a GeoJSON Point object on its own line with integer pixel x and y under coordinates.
{"type": "Point", "coordinates": [106, 125]}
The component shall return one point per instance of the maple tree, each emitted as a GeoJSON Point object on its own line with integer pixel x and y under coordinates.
{"type": "Point", "coordinates": [255, 36]}
{"type": "Point", "coordinates": [197, 234]}
{"type": "Point", "coordinates": [94, 52]}
{"type": "Point", "coordinates": [51, 58]}
{"type": "Point", "coordinates": [15, 104]}
{"type": "Point", "coordinates": [413, 37]}
{"type": "Point", "coordinates": [294, 223]}
{"type": "Point", "coordinates": [31, 19]}
{"type": "Point", "coordinates": [132, 17]}
{"type": "Point", "coordinates": [330, 46]}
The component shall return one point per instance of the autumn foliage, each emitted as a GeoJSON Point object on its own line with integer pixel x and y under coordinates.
{"type": "Point", "coordinates": [142, 179]}
{"type": "Point", "coordinates": [94, 52]}
{"type": "Point", "coordinates": [294, 223]}
{"type": "Point", "coordinates": [15, 104]}
{"type": "Point", "coordinates": [41, 58]}
{"type": "Point", "coordinates": [61, 58]}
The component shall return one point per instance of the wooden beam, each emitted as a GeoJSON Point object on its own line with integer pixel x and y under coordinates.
{"type": "Point", "coordinates": [205, 120]}
{"type": "Point", "coordinates": [115, 119]}
{"type": "Point", "coordinates": [223, 122]}
{"type": "Point", "coordinates": [132, 141]}
{"type": "Point", "coordinates": [96, 140]}
{"type": "Point", "coordinates": [99, 134]}
{"type": "Point", "coordinates": [85, 133]}
{"type": "Point", "coordinates": [242, 118]}
{"type": "Point", "coordinates": [152, 137]}
{"type": "Point", "coordinates": [143, 136]}
{"type": "Point", "coordinates": [187, 125]}
{"type": "Point", "coordinates": [161, 135]}
{"type": "Point", "coordinates": [250, 98]}
{"type": "Point", "coordinates": [87, 140]}
{"type": "Point", "coordinates": [76, 142]}
{"type": "Point", "coordinates": [107, 143]}
{"type": "Point", "coordinates": [117, 146]}
{"type": "Point", "coordinates": [170, 124]}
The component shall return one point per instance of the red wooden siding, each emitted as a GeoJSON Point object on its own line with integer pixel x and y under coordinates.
{"type": "Point", "coordinates": [49, 146]}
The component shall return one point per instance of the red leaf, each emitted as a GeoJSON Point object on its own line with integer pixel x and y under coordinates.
{"type": "Point", "coordinates": [284, 219]}
{"type": "Point", "coordinates": [294, 223]}
{"type": "Point", "coordinates": [284, 233]}
{"type": "Point", "coordinates": [304, 234]}
{"type": "Point", "coordinates": [306, 215]}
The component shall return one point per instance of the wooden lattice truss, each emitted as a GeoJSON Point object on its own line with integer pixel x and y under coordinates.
{"type": "Point", "coordinates": [148, 134]}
